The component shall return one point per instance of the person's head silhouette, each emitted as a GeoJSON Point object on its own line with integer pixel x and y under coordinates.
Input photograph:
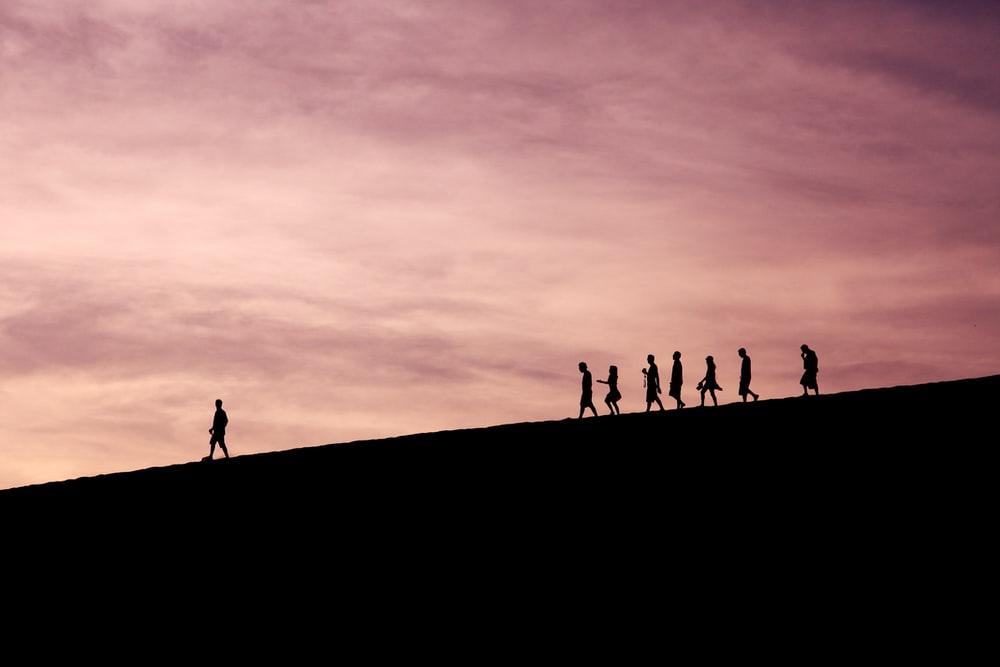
{"type": "Point", "coordinates": [742, 352]}
{"type": "Point", "coordinates": [649, 358]}
{"type": "Point", "coordinates": [710, 359]}
{"type": "Point", "coordinates": [804, 347]}
{"type": "Point", "coordinates": [218, 402]}
{"type": "Point", "coordinates": [583, 367]}
{"type": "Point", "coordinates": [613, 370]}
{"type": "Point", "coordinates": [677, 355]}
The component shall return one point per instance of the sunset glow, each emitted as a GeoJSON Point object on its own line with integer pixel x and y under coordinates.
{"type": "Point", "coordinates": [357, 219]}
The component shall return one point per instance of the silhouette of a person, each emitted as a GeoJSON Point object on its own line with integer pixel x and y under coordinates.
{"type": "Point", "coordinates": [745, 375]}
{"type": "Point", "coordinates": [708, 382]}
{"type": "Point", "coordinates": [587, 397]}
{"type": "Point", "coordinates": [652, 384]}
{"type": "Point", "coordinates": [811, 365]}
{"type": "Point", "coordinates": [676, 380]}
{"type": "Point", "coordinates": [218, 431]}
{"type": "Point", "coordinates": [613, 394]}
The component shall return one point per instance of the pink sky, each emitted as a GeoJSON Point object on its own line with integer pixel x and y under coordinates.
{"type": "Point", "coordinates": [357, 219]}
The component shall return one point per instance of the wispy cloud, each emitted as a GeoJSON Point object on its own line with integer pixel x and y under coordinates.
{"type": "Point", "coordinates": [353, 219]}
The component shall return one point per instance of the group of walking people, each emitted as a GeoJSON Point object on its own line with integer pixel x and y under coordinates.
{"type": "Point", "coordinates": [650, 380]}
{"type": "Point", "coordinates": [707, 385]}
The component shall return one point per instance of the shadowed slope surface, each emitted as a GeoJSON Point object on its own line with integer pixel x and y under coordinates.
{"type": "Point", "coordinates": [790, 525]}
{"type": "Point", "coordinates": [794, 456]}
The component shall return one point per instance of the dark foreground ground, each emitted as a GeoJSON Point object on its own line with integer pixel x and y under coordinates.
{"type": "Point", "coordinates": [880, 458]}
{"type": "Point", "coordinates": [794, 527]}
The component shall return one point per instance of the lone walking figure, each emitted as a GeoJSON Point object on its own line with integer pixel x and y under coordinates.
{"type": "Point", "coordinates": [218, 431]}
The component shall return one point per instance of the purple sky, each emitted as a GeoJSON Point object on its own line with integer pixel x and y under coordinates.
{"type": "Point", "coordinates": [355, 219]}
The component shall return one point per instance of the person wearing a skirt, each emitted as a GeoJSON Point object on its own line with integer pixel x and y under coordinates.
{"type": "Point", "coordinates": [613, 394]}
{"type": "Point", "coordinates": [708, 383]}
